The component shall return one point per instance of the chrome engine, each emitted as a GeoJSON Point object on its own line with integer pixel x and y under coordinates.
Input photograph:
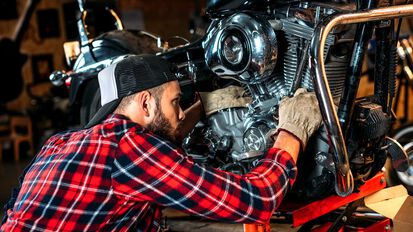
{"type": "Point", "coordinates": [267, 56]}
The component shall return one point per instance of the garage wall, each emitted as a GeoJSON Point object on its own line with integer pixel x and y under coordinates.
{"type": "Point", "coordinates": [32, 45]}
{"type": "Point", "coordinates": [164, 18]}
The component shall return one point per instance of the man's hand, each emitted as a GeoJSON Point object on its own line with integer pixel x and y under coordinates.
{"type": "Point", "coordinates": [231, 96]}
{"type": "Point", "coordinates": [211, 102]}
{"type": "Point", "coordinates": [300, 115]}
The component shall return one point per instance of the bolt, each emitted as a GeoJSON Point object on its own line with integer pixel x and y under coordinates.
{"type": "Point", "coordinates": [387, 228]}
{"type": "Point", "coordinates": [381, 180]}
{"type": "Point", "coordinates": [344, 218]}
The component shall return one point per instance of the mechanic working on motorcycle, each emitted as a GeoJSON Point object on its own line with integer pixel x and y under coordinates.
{"type": "Point", "coordinates": [118, 172]}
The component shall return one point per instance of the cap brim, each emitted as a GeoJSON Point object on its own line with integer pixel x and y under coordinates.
{"type": "Point", "coordinates": [103, 112]}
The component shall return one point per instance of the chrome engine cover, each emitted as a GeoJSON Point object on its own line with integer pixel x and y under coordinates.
{"type": "Point", "coordinates": [253, 54]}
{"type": "Point", "coordinates": [230, 132]}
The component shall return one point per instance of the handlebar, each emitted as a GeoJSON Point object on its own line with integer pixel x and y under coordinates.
{"type": "Point", "coordinates": [58, 77]}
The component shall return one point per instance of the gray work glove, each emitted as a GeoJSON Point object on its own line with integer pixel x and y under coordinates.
{"type": "Point", "coordinates": [300, 115]}
{"type": "Point", "coordinates": [231, 96]}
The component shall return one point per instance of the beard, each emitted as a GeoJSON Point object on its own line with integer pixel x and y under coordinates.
{"type": "Point", "coordinates": [162, 127]}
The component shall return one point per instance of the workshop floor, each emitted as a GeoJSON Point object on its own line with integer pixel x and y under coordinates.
{"type": "Point", "coordinates": [177, 221]}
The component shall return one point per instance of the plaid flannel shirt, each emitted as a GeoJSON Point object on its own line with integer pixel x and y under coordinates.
{"type": "Point", "coordinates": [116, 176]}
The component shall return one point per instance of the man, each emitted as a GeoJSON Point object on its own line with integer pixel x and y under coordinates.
{"type": "Point", "coordinates": [117, 174]}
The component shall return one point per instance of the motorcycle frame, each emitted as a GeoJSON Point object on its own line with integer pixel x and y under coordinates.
{"type": "Point", "coordinates": [344, 179]}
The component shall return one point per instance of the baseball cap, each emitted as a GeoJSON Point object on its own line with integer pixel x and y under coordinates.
{"type": "Point", "coordinates": [133, 74]}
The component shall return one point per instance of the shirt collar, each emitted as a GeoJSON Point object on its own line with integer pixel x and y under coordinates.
{"type": "Point", "coordinates": [115, 117]}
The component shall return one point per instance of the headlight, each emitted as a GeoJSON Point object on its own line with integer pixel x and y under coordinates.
{"type": "Point", "coordinates": [241, 47]}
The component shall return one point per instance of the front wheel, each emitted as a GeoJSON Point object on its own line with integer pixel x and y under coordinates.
{"type": "Point", "coordinates": [404, 136]}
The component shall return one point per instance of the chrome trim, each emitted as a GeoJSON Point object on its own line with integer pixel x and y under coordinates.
{"type": "Point", "coordinates": [344, 179]}
{"type": "Point", "coordinates": [119, 24]}
{"type": "Point", "coordinates": [259, 41]}
{"type": "Point", "coordinates": [81, 5]}
{"type": "Point", "coordinates": [397, 152]}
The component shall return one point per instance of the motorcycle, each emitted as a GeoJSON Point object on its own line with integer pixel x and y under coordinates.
{"type": "Point", "coordinates": [88, 56]}
{"type": "Point", "coordinates": [272, 48]}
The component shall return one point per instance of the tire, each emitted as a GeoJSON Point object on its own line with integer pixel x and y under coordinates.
{"type": "Point", "coordinates": [404, 136]}
{"type": "Point", "coordinates": [90, 102]}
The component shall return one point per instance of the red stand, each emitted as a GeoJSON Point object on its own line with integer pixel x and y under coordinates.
{"type": "Point", "coordinates": [301, 214]}
{"type": "Point", "coordinates": [306, 213]}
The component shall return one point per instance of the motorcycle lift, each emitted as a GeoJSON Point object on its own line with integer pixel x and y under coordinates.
{"type": "Point", "coordinates": [333, 213]}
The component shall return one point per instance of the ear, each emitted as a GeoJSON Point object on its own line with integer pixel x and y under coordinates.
{"type": "Point", "coordinates": [142, 101]}
{"type": "Point", "coordinates": [146, 105]}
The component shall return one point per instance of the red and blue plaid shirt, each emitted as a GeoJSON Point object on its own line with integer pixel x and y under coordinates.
{"type": "Point", "coordinates": [116, 176]}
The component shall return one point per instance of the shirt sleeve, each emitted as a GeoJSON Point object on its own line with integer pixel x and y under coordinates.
{"type": "Point", "coordinates": [147, 168]}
